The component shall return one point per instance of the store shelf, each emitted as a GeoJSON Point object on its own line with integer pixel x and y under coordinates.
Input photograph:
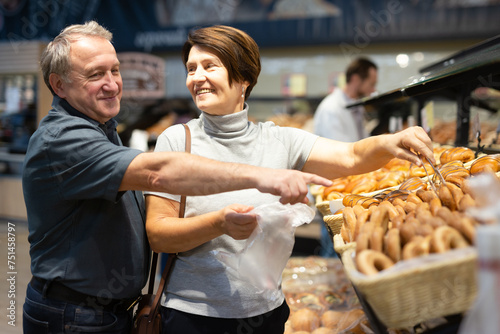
{"type": "Point", "coordinates": [454, 78]}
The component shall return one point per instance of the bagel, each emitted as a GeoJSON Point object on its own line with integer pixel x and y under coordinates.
{"type": "Point", "coordinates": [362, 242]}
{"type": "Point", "coordinates": [426, 195]}
{"type": "Point", "coordinates": [468, 229]}
{"type": "Point", "coordinates": [397, 221]}
{"type": "Point", "coordinates": [445, 214]}
{"type": "Point", "coordinates": [465, 225]}
{"type": "Point", "coordinates": [392, 244]}
{"type": "Point", "coordinates": [416, 247]}
{"type": "Point", "coordinates": [350, 221]}
{"type": "Point", "coordinates": [413, 198]}
{"type": "Point", "coordinates": [422, 207]}
{"type": "Point", "coordinates": [401, 210]}
{"type": "Point", "coordinates": [425, 217]}
{"type": "Point", "coordinates": [445, 238]}
{"type": "Point", "coordinates": [358, 209]}
{"type": "Point", "coordinates": [446, 197]}
{"type": "Point", "coordinates": [370, 262]}
{"type": "Point", "coordinates": [377, 239]}
{"type": "Point", "coordinates": [456, 193]}
{"type": "Point", "coordinates": [466, 202]}
{"type": "Point", "coordinates": [434, 205]}
{"type": "Point", "coordinates": [344, 233]}
{"type": "Point", "coordinates": [362, 216]}
{"type": "Point", "coordinates": [407, 232]}
{"type": "Point", "coordinates": [424, 230]}
{"type": "Point", "coordinates": [392, 211]}
{"type": "Point", "coordinates": [410, 207]}
{"type": "Point", "coordinates": [380, 217]}
{"type": "Point", "coordinates": [398, 202]}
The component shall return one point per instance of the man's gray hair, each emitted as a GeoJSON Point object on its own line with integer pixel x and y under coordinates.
{"type": "Point", "coordinates": [56, 56]}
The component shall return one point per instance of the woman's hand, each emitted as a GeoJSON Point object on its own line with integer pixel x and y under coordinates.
{"type": "Point", "coordinates": [237, 222]}
{"type": "Point", "coordinates": [332, 159]}
{"type": "Point", "coordinates": [410, 143]}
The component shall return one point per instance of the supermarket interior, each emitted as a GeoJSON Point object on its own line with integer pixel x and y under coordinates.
{"type": "Point", "coordinates": [405, 248]}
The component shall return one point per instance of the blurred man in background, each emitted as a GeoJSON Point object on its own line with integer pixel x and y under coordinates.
{"type": "Point", "coordinates": [334, 120]}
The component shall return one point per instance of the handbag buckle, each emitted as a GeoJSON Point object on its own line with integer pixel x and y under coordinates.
{"type": "Point", "coordinates": [134, 303]}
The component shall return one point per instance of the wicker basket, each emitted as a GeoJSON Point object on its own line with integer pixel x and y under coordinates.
{"type": "Point", "coordinates": [333, 224]}
{"type": "Point", "coordinates": [408, 296]}
{"type": "Point", "coordinates": [340, 246]}
{"type": "Point", "coordinates": [323, 206]}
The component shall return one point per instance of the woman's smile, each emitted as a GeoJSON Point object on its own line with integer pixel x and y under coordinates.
{"type": "Point", "coordinates": [208, 81]}
{"type": "Point", "coordinates": [204, 91]}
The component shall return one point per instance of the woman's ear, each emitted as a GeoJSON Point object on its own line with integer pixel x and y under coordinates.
{"type": "Point", "coordinates": [57, 85]}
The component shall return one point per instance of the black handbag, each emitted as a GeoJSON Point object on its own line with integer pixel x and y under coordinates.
{"type": "Point", "coordinates": [147, 318]}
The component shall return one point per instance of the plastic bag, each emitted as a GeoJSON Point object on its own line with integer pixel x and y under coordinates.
{"type": "Point", "coordinates": [483, 315]}
{"type": "Point", "coordinates": [267, 250]}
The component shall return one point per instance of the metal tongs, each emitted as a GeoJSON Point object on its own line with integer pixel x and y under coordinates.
{"type": "Point", "coordinates": [436, 171]}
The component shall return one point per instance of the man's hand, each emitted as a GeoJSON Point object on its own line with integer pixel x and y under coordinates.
{"type": "Point", "coordinates": [290, 185]}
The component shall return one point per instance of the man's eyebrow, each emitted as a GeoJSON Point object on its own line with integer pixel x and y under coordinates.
{"type": "Point", "coordinates": [98, 67]}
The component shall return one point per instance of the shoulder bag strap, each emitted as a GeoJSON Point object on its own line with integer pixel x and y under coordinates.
{"type": "Point", "coordinates": [171, 256]}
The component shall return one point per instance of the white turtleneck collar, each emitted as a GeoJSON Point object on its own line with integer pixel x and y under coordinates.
{"type": "Point", "coordinates": [226, 126]}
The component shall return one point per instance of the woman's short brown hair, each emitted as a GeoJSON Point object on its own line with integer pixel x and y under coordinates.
{"type": "Point", "coordinates": [236, 49]}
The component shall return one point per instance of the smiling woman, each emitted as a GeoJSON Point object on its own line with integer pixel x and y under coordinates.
{"type": "Point", "coordinates": [237, 51]}
{"type": "Point", "coordinates": [223, 65]}
{"type": "Point", "coordinates": [207, 80]}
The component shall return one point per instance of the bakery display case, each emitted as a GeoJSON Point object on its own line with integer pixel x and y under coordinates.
{"type": "Point", "coordinates": [408, 245]}
{"type": "Point", "coordinates": [470, 79]}
{"type": "Point", "coordinates": [441, 286]}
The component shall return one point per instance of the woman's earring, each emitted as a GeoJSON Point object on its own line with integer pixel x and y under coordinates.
{"type": "Point", "coordinates": [243, 92]}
